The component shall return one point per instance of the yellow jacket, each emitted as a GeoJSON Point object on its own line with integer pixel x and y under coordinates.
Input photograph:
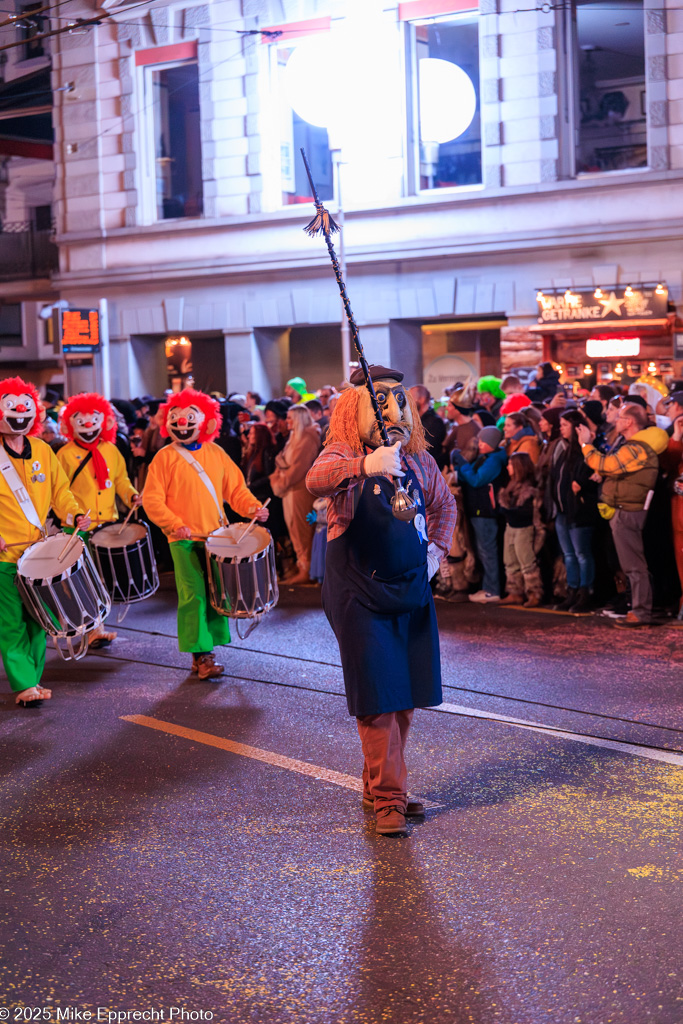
{"type": "Point", "coordinates": [52, 492]}
{"type": "Point", "coordinates": [175, 496]}
{"type": "Point", "coordinates": [102, 503]}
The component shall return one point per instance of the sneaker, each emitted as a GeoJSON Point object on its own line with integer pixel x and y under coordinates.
{"type": "Point", "coordinates": [207, 667]}
{"type": "Point", "coordinates": [484, 597]}
{"type": "Point", "coordinates": [612, 614]}
{"type": "Point", "coordinates": [390, 822]}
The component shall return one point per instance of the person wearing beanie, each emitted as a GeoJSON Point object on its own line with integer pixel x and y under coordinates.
{"type": "Point", "coordinates": [593, 411]}
{"type": "Point", "coordinates": [480, 481]}
{"type": "Point", "coordinates": [545, 385]}
{"type": "Point", "coordinates": [490, 395]}
{"type": "Point", "coordinates": [296, 390]}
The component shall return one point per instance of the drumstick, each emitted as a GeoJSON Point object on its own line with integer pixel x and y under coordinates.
{"type": "Point", "coordinates": [124, 524]}
{"type": "Point", "coordinates": [248, 530]}
{"type": "Point", "coordinates": [69, 543]}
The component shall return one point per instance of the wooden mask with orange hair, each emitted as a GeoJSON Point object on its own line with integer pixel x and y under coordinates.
{"type": "Point", "coordinates": [353, 420]}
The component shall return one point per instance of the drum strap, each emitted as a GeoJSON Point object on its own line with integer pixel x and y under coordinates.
{"type": "Point", "coordinates": [81, 467]}
{"type": "Point", "coordinates": [13, 481]}
{"type": "Point", "coordinates": [205, 479]}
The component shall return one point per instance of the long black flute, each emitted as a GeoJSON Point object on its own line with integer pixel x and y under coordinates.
{"type": "Point", "coordinates": [402, 505]}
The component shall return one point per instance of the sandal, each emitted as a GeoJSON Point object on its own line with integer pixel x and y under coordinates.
{"type": "Point", "coordinates": [33, 697]}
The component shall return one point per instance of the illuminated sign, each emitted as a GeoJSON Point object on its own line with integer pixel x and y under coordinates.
{"type": "Point", "coordinates": [80, 330]}
{"type": "Point", "coordinates": [612, 348]}
{"type": "Point", "coordinates": [642, 303]}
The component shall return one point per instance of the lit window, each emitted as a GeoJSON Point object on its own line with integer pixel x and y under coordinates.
{"type": "Point", "coordinates": [176, 140]}
{"type": "Point", "coordinates": [299, 119]}
{"type": "Point", "coordinates": [611, 90]}
{"type": "Point", "coordinates": [446, 103]}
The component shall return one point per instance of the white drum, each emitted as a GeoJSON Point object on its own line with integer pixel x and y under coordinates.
{"type": "Point", "coordinates": [125, 558]}
{"type": "Point", "coordinates": [67, 598]}
{"type": "Point", "coordinates": [242, 573]}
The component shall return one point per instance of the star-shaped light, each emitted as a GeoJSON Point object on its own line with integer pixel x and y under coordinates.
{"type": "Point", "coordinates": [611, 305]}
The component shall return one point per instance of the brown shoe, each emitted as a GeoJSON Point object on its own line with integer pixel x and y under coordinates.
{"type": "Point", "coordinates": [513, 599]}
{"type": "Point", "coordinates": [207, 667]}
{"type": "Point", "coordinates": [630, 621]}
{"type": "Point", "coordinates": [414, 808]}
{"type": "Point", "coordinates": [390, 822]}
{"type": "Point", "coordinates": [533, 601]}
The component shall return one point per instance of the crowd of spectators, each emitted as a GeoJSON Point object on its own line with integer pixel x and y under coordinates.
{"type": "Point", "coordinates": [573, 502]}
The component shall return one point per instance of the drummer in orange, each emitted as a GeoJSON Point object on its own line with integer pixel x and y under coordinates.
{"type": "Point", "coordinates": [186, 485]}
{"type": "Point", "coordinates": [95, 468]}
{"type": "Point", "coordinates": [31, 482]}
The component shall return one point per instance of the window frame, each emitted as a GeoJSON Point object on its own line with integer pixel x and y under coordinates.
{"type": "Point", "coordinates": [412, 103]}
{"type": "Point", "coordinates": [146, 135]}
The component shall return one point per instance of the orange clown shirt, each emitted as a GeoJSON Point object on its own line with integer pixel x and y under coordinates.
{"type": "Point", "coordinates": [101, 502]}
{"type": "Point", "coordinates": [47, 486]}
{"type": "Point", "coordinates": [175, 496]}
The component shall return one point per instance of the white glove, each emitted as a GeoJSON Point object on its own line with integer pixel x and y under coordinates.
{"type": "Point", "coordinates": [384, 461]}
{"type": "Point", "coordinates": [434, 556]}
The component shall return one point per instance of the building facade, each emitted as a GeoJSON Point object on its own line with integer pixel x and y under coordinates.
{"type": "Point", "coordinates": [502, 172]}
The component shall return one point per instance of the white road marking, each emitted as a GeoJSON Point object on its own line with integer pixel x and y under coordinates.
{"type": "Point", "coordinates": [523, 723]}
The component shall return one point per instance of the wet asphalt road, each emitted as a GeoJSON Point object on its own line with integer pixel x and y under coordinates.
{"type": "Point", "coordinates": [149, 871]}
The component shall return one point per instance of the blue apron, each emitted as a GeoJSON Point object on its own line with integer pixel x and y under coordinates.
{"type": "Point", "coordinates": [377, 598]}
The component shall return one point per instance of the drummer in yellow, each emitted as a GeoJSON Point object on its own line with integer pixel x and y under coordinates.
{"type": "Point", "coordinates": [95, 468]}
{"type": "Point", "coordinates": [31, 482]}
{"type": "Point", "coordinates": [186, 485]}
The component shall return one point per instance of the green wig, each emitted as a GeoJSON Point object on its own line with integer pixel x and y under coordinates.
{"type": "Point", "coordinates": [490, 385]}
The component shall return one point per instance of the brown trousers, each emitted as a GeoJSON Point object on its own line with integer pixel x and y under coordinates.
{"type": "Point", "coordinates": [385, 777]}
{"type": "Point", "coordinates": [296, 505]}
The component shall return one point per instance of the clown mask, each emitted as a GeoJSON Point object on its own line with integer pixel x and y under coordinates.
{"type": "Point", "coordinates": [87, 426]}
{"type": "Point", "coordinates": [17, 413]}
{"type": "Point", "coordinates": [184, 424]}
{"type": "Point", "coordinates": [396, 414]}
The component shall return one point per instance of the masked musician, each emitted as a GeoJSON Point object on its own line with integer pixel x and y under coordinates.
{"type": "Point", "coordinates": [186, 485]}
{"type": "Point", "coordinates": [95, 468]}
{"type": "Point", "coordinates": [376, 591]}
{"type": "Point", "coordinates": [31, 482]}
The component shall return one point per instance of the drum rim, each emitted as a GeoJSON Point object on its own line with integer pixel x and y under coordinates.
{"type": "Point", "coordinates": [237, 559]}
{"type": "Point", "coordinates": [62, 576]}
{"type": "Point", "coordinates": [117, 522]}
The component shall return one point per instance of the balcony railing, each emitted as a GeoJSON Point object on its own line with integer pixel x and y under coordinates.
{"type": "Point", "coordinates": [26, 252]}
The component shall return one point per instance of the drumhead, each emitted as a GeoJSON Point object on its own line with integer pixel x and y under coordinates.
{"type": "Point", "coordinates": [41, 560]}
{"type": "Point", "coordinates": [227, 543]}
{"type": "Point", "coordinates": [116, 536]}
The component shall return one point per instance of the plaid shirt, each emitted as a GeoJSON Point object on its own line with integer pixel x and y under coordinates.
{"type": "Point", "coordinates": [337, 473]}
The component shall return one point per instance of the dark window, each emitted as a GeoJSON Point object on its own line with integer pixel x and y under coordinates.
{"type": "Point", "coordinates": [177, 142]}
{"type": "Point", "coordinates": [611, 100]}
{"type": "Point", "coordinates": [42, 218]}
{"type": "Point", "coordinates": [10, 325]}
{"type": "Point", "coordinates": [30, 26]}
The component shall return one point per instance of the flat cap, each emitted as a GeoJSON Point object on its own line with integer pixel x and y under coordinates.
{"type": "Point", "coordinates": [376, 373]}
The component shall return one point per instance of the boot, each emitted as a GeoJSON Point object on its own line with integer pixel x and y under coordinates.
{"type": "Point", "coordinates": [533, 585]}
{"type": "Point", "coordinates": [513, 598]}
{"type": "Point", "coordinates": [565, 605]}
{"type": "Point", "coordinates": [582, 601]}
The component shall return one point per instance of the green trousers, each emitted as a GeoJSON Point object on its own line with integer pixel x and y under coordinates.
{"type": "Point", "coordinates": [22, 640]}
{"type": "Point", "coordinates": [200, 627]}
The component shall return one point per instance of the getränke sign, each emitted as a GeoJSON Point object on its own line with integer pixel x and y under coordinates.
{"type": "Point", "coordinates": [616, 304]}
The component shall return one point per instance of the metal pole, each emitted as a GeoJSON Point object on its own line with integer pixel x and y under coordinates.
{"type": "Point", "coordinates": [104, 349]}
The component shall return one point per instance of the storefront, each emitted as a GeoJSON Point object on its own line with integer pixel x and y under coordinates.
{"type": "Point", "coordinates": [612, 333]}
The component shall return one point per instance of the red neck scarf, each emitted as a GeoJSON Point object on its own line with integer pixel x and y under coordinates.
{"type": "Point", "coordinates": [98, 461]}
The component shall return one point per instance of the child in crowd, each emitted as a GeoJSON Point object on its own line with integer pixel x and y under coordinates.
{"type": "Point", "coordinates": [517, 502]}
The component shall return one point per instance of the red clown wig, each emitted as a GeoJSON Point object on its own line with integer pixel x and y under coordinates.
{"type": "Point", "coordinates": [17, 386]}
{"type": "Point", "coordinates": [211, 426]}
{"type": "Point", "coordinates": [89, 402]}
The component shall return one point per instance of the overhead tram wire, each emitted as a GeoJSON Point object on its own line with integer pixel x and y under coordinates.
{"type": "Point", "coordinates": [480, 716]}
{"type": "Point", "coordinates": [448, 686]}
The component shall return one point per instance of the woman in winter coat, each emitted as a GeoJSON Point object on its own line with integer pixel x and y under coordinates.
{"type": "Point", "coordinates": [517, 502]}
{"type": "Point", "coordinates": [574, 495]}
{"type": "Point", "coordinates": [520, 436]}
{"type": "Point", "coordinates": [289, 483]}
